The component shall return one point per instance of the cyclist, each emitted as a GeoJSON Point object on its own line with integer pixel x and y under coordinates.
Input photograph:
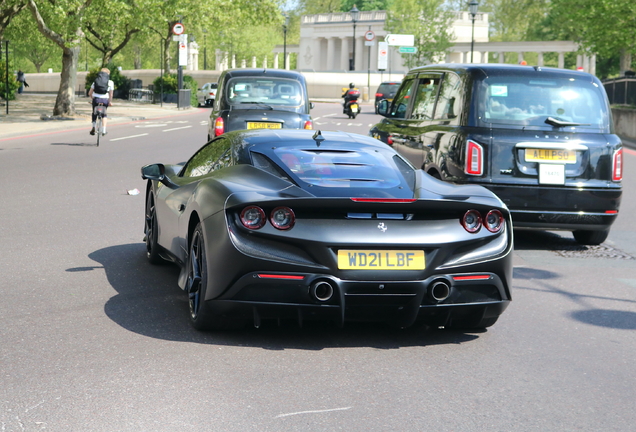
{"type": "Point", "coordinates": [101, 92]}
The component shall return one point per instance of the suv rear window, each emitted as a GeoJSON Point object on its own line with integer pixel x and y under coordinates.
{"type": "Point", "coordinates": [269, 91]}
{"type": "Point", "coordinates": [529, 101]}
{"type": "Point", "coordinates": [388, 87]}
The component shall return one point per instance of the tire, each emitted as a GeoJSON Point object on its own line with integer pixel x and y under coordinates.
{"type": "Point", "coordinates": [98, 128]}
{"type": "Point", "coordinates": [202, 313]}
{"type": "Point", "coordinates": [590, 238]}
{"type": "Point", "coordinates": [150, 229]}
{"type": "Point", "coordinates": [354, 115]}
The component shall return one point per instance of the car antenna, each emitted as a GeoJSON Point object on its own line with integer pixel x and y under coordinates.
{"type": "Point", "coordinates": [318, 138]}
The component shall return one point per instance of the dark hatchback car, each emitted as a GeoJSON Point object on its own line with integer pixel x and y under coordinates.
{"type": "Point", "coordinates": [542, 139]}
{"type": "Point", "coordinates": [260, 99]}
{"type": "Point", "coordinates": [386, 90]}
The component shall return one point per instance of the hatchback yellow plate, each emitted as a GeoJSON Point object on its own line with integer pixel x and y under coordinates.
{"type": "Point", "coordinates": [264, 125]}
{"type": "Point", "coordinates": [550, 155]}
{"type": "Point", "coordinates": [381, 259]}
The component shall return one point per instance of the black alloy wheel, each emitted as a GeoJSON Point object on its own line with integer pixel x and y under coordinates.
{"type": "Point", "coordinates": [203, 315]}
{"type": "Point", "coordinates": [150, 229]}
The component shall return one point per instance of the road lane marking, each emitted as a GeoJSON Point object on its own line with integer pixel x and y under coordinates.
{"type": "Point", "coordinates": [128, 137]}
{"type": "Point", "coordinates": [329, 115]}
{"type": "Point", "coordinates": [313, 412]}
{"type": "Point", "coordinates": [174, 129]}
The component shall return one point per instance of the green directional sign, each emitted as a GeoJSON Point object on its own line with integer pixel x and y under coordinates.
{"type": "Point", "coordinates": [408, 50]}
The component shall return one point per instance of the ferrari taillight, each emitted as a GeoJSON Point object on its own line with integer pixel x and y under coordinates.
{"type": "Point", "coordinates": [253, 217]}
{"type": "Point", "coordinates": [471, 221]}
{"type": "Point", "coordinates": [219, 126]}
{"type": "Point", "coordinates": [617, 165]}
{"type": "Point", "coordinates": [494, 221]}
{"type": "Point", "coordinates": [282, 218]}
{"type": "Point", "coordinates": [309, 125]}
{"type": "Point", "coordinates": [474, 159]}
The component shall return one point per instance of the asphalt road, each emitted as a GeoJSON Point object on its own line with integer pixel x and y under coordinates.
{"type": "Point", "coordinates": [93, 338]}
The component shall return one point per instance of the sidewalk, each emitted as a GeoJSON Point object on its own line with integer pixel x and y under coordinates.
{"type": "Point", "coordinates": [33, 114]}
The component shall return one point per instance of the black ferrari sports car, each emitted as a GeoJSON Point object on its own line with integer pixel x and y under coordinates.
{"type": "Point", "coordinates": [306, 225]}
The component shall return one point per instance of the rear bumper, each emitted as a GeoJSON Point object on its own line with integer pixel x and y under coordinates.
{"type": "Point", "coordinates": [560, 207]}
{"type": "Point", "coordinates": [470, 296]}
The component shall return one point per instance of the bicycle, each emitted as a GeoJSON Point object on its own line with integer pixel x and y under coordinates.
{"type": "Point", "coordinates": [100, 109]}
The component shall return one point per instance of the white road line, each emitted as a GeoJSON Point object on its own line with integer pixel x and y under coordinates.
{"type": "Point", "coordinates": [132, 136]}
{"type": "Point", "coordinates": [312, 412]}
{"type": "Point", "coordinates": [174, 129]}
{"type": "Point", "coordinates": [329, 115]}
{"type": "Point", "coordinates": [316, 118]}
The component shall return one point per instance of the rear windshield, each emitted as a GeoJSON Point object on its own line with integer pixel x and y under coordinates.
{"type": "Point", "coordinates": [269, 91]}
{"type": "Point", "coordinates": [388, 88]}
{"type": "Point", "coordinates": [529, 101]}
{"type": "Point", "coordinates": [335, 168]}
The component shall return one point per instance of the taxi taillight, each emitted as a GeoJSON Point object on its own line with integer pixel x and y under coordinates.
{"type": "Point", "coordinates": [219, 126]}
{"type": "Point", "coordinates": [308, 125]}
{"type": "Point", "coordinates": [474, 164]}
{"type": "Point", "coordinates": [617, 165]}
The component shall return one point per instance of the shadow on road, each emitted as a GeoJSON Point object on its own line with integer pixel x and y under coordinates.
{"type": "Point", "coordinates": [150, 303]}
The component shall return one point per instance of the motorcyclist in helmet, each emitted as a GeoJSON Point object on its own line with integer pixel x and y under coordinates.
{"type": "Point", "coordinates": [349, 94]}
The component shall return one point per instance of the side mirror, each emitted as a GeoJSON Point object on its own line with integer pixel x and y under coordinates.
{"type": "Point", "coordinates": [157, 172]}
{"type": "Point", "coordinates": [311, 105]}
{"type": "Point", "coordinates": [383, 108]}
{"type": "Point", "coordinates": [153, 172]}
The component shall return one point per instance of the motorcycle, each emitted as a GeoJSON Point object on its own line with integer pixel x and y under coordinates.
{"type": "Point", "coordinates": [351, 106]}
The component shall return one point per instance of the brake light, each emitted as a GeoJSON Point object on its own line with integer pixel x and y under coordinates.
{"type": "Point", "coordinates": [617, 165]}
{"type": "Point", "coordinates": [309, 124]}
{"type": "Point", "coordinates": [253, 217]}
{"type": "Point", "coordinates": [378, 95]}
{"type": "Point", "coordinates": [389, 140]}
{"type": "Point", "coordinates": [384, 200]}
{"type": "Point", "coordinates": [471, 221]}
{"type": "Point", "coordinates": [494, 221]}
{"type": "Point", "coordinates": [474, 159]}
{"type": "Point", "coordinates": [282, 218]}
{"type": "Point", "coordinates": [219, 126]}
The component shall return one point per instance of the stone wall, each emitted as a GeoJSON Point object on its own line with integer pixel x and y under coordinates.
{"type": "Point", "coordinates": [625, 122]}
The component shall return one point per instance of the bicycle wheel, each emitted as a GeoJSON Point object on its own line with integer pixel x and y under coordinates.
{"type": "Point", "coordinates": [98, 127]}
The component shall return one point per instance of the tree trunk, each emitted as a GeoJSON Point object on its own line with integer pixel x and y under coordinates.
{"type": "Point", "coordinates": [166, 55]}
{"type": "Point", "coordinates": [625, 61]}
{"type": "Point", "coordinates": [65, 102]}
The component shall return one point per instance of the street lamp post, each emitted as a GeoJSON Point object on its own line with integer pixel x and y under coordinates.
{"type": "Point", "coordinates": [285, 40]}
{"type": "Point", "coordinates": [355, 14]}
{"type": "Point", "coordinates": [205, 50]}
{"type": "Point", "coordinates": [472, 7]}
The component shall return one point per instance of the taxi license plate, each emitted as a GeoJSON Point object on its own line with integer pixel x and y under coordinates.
{"type": "Point", "coordinates": [551, 155]}
{"type": "Point", "coordinates": [381, 260]}
{"type": "Point", "coordinates": [263, 125]}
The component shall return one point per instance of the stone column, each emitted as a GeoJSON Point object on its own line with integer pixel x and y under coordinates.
{"type": "Point", "coordinates": [502, 57]}
{"type": "Point", "coordinates": [561, 63]}
{"type": "Point", "coordinates": [540, 59]}
{"type": "Point", "coordinates": [519, 57]}
{"type": "Point", "coordinates": [344, 54]}
{"type": "Point", "coordinates": [265, 62]}
{"type": "Point", "coordinates": [359, 54]}
{"type": "Point", "coordinates": [253, 62]}
{"type": "Point", "coordinates": [593, 65]}
{"type": "Point", "coordinates": [287, 60]}
{"type": "Point", "coordinates": [330, 52]}
{"type": "Point", "coordinates": [276, 61]}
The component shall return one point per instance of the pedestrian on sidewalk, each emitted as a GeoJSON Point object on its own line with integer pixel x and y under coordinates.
{"type": "Point", "coordinates": [22, 80]}
{"type": "Point", "coordinates": [101, 92]}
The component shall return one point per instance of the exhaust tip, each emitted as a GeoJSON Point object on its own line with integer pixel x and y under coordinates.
{"type": "Point", "coordinates": [439, 290]}
{"type": "Point", "coordinates": [321, 291]}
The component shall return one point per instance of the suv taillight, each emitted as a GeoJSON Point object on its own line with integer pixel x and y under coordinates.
{"type": "Point", "coordinates": [219, 126]}
{"type": "Point", "coordinates": [617, 165]}
{"type": "Point", "coordinates": [474, 159]}
{"type": "Point", "coordinates": [378, 95]}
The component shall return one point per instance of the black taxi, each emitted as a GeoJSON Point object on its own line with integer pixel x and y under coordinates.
{"type": "Point", "coordinates": [541, 138]}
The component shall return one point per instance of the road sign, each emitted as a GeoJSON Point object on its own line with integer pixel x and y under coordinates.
{"type": "Point", "coordinates": [407, 50]}
{"type": "Point", "coordinates": [400, 40]}
{"type": "Point", "coordinates": [383, 55]}
{"type": "Point", "coordinates": [369, 36]}
{"type": "Point", "coordinates": [183, 54]}
{"type": "Point", "coordinates": [369, 43]}
{"type": "Point", "coordinates": [178, 29]}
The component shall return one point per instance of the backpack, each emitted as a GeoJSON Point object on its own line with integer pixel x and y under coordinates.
{"type": "Point", "coordinates": [101, 83]}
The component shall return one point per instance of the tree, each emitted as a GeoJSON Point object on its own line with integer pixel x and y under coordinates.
{"type": "Point", "coordinates": [604, 27]}
{"type": "Point", "coordinates": [510, 20]}
{"type": "Point", "coordinates": [28, 42]}
{"type": "Point", "coordinates": [428, 21]}
{"type": "Point", "coordinates": [60, 21]}
{"type": "Point", "coordinates": [8, 10]}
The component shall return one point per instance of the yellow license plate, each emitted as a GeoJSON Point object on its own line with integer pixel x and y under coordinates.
{"type": "Point", "coordinates": [381, 260]}
{"type": "Point", "coordinates": [354, 107]}
{"type": "Point", "coordinates": [263, 125]}
{"type": "Point", "coordinates": [551, 155]}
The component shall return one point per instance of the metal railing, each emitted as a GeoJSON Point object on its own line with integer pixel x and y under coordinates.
{"type": "Point", "coordinates": [621, 91]}
{"type": "Point", "coordinates": [141, 95]}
